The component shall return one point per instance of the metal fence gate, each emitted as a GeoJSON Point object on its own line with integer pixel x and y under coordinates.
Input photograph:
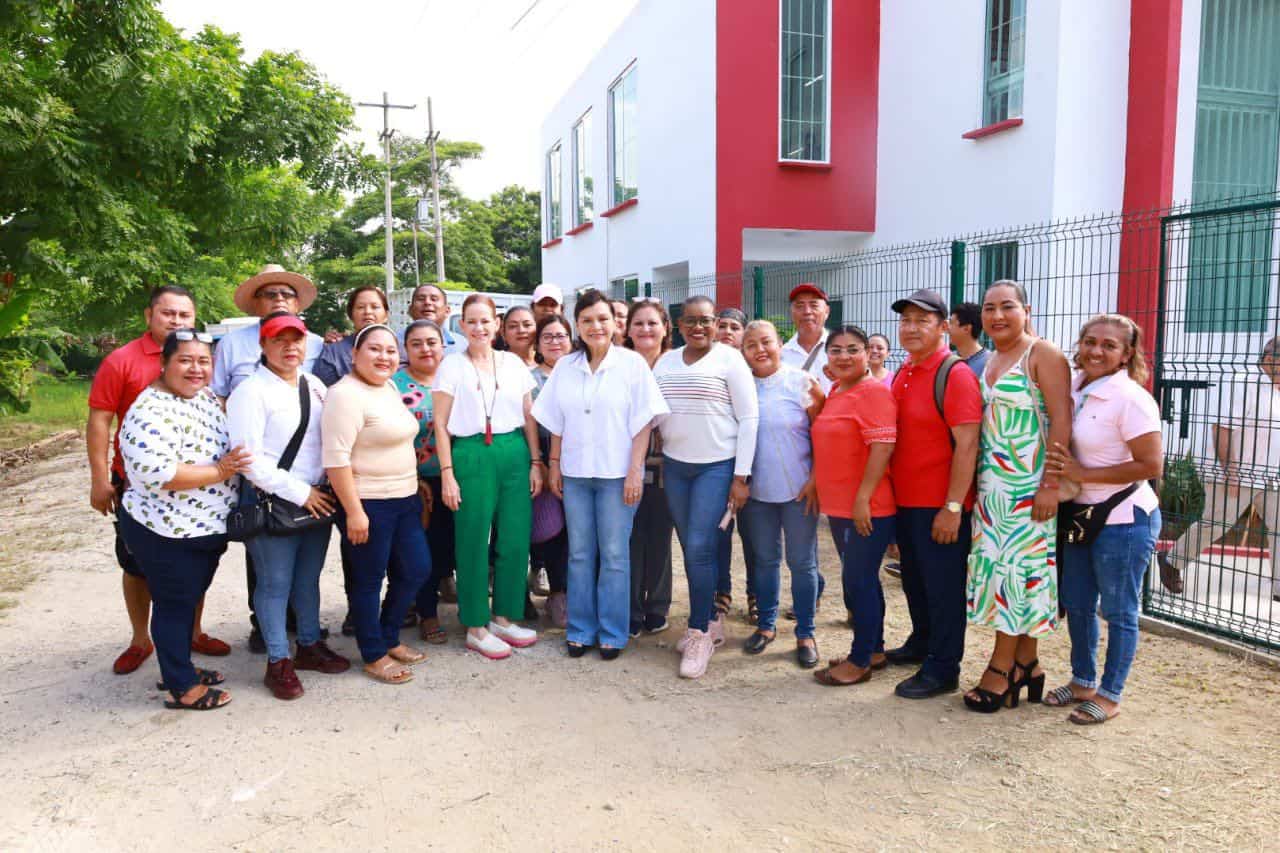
{"type": "Point", "coordinates": [1219, 299]}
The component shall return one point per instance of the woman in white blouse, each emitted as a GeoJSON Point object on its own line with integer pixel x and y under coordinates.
{"type": "Point", "coordinates": [708, 445]}
{"type": "Point", "coordinates": [491, 468]}
{"type": "Point", "coordinates": [599, 406]}
{"type": "Point", "coordinates": [174, 512]}
{"type": "Point", "coordinates": [263, 414]}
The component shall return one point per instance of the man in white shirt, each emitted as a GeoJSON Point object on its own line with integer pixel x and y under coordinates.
{"type": "Point", "coordinates": [1246, 450]}
{"type": "Point", "coordinates": [430, 302]}
{"type": "Point", "coordinates": [807, 349]}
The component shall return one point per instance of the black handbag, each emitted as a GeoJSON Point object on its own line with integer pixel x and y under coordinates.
{"type": "Point", "coordinates": [1080, 524]}
{"type": "Point", "coordinates": [259, 512]}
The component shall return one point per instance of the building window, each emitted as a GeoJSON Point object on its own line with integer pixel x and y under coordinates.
{"type": "Point", "coordinates": [627, 287]}
{"type": "Point", "coordinates": [582, 183]}
{"type": "Point", "coordinates": [1006, 39]}
{"type": "Point", "coordinates": [805, 80]}
{"type": "Point", "coordinates": [622, 138]}
{"type": "Point", "coordinates": [997, 262]}
{"type": "Point", "coordinates": [552, 194]}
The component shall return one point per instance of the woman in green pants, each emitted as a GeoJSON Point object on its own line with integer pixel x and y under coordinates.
{"type": "Point", "coordinates": [490, 470]}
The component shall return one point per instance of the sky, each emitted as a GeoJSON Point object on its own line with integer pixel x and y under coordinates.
{"type": "Point", "coordinates": [493, 68]}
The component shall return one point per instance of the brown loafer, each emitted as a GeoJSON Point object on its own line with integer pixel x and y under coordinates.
{"type": "Point", "coordinates": [318, 657]}
{"type": "Point", "coordinates": [824, 676]}
{"type": "Point", "coordinates": [282, 680]}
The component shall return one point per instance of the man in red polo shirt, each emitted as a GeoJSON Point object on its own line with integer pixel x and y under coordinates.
{"type": "Point", "coordinates": [932, 468]}
{"type": "Point", "coordinates": [120, 379]}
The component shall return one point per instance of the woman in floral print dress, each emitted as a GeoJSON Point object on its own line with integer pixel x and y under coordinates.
{"type": "Point", "coordinates": [1013, 584]}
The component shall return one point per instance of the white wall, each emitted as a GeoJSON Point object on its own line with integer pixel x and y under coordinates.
{"type": "Point", "coordinates": [673, 45]}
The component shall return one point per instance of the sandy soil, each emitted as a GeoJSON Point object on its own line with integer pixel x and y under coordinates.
{"type": "Point", "coordinates": [544, 753]}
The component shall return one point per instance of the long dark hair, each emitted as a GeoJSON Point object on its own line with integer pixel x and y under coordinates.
{"type": "Point", "coordinates": [587, 299]}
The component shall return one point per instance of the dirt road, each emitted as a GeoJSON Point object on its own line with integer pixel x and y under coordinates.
{"type": "Point", "coordinates": [545, 753]}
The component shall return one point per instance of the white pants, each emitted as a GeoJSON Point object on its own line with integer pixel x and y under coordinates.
{"type": "Point", "coordinates": [1223, 509]}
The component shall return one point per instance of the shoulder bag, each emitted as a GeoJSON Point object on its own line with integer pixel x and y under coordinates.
{"type": "Point", "coordinates": [259, 512]}
{"type": "Point", "coordinates": [1080, 524]}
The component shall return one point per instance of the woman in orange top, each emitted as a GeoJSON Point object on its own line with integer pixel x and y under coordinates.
{"type": "Point", "coordinates": [853, 440]}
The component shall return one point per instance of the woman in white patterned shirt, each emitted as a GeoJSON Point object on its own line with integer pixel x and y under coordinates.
{"type": "Point", "coordinates": [174, 511]}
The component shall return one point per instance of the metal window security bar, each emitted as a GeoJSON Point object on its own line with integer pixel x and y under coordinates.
{"type": "Point", "coordinates": [804, 83]}
{"type": "Point", "coordinates": [1006, 34]}
{"type": "Point", "coordinates": [1147, 265]}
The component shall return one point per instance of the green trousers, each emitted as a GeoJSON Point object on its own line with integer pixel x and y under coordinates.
{"type": "Point", "coordinates": [494, 484]}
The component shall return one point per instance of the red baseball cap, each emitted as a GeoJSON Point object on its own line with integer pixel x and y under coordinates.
{"type": "Point", "coordinates": [277, 324]}
{"type": "Point", "coordinates": [809, 288]}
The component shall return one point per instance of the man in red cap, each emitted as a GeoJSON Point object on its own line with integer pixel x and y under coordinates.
{"type": "Point", "coordinates": [807, 349]}
{"type": "Point", "coordinates": [120, 379]}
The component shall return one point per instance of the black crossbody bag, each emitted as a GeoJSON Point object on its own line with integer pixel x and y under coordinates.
{"type": "Point", "coordinates": [259, 512]}
{"type": "Point", "coordinates": [1080, 524]}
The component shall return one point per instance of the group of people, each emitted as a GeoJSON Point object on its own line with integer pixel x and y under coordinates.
{"type": "Point", "coordinates": [572, 449]}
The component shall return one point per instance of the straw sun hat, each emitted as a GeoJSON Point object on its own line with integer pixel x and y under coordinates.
{"type": "Point", "coordinates": [274, 274]}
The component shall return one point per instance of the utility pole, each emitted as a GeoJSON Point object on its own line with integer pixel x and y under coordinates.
{"type": "Point", "coordinates": [385, 137]}
{"type": "Point", "coordinates": [432, 136]}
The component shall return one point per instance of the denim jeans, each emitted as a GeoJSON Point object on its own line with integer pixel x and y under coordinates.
{"type": "Point", "coordinates": [724, 559]}
{"type": "Point", "coordinates": [178, 571]}
{"type": "Point", "coordinates": [863, 595]}
{"type": "Point", "coordinates": [599, 561]}
{"type": "Point", "coordinates": [288, 570]}
{"type": "Point", "coordinates": [766, 527]}
{"type": "Point", "coordinates": [1109, 570]}
{"type": "Point", "coordinates": [933, 579]}
{"type": "Point", "coordinates": [440, 541]}
{"type": "Point", "coordinates": [396, 550]}
{"type": "Point", "coordinates": [697, 495]}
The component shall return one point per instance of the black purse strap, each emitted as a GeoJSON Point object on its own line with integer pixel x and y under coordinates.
{"type": "Point", "coordinates": [295, 441]}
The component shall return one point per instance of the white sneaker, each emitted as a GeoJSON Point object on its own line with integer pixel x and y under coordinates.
{"type": "Point", "coordinates": [491, 646]}
{"type": "Point", "coordinates": [697, 654]}
{"type": "Point", "coordinates": [716, 629]}
{"type": "Point", "coordinates": [514, 635]}
{"type": "Point", "coordinates": [541, 585]}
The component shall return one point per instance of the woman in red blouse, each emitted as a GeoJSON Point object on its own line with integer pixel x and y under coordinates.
{"type": "Point", "coordinates": [853, 440]}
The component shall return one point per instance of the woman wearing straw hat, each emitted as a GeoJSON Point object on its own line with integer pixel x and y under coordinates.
{"type": "Point", "coordinates": [237, 357]}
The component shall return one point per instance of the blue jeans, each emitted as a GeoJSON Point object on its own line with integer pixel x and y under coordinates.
{"type": "Point", "coordinates": [1109, 570]}
{"type": "Point", "coordinates": [288, 569]}
{"type": "Point", "coordinates": [599, 561]}
{"type": "Point", "coordinates": [724, 559]}
{"type": "Point", "coordinates": [397, 550]}
{"type": "Point", "coordinates": [933, 579]}
{"type": "Point", "coordinates": [863, 595]}
{"type": "Point", "coordinates": [178, 572]}
{"type": "Point", "coordinates": [766, 526]}
{"type": "Point", "coordinates": [697, 495]}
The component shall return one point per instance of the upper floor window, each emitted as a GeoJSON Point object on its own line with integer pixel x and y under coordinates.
{"type": "Point", "coordinates": [1006, 40]}
{"type": "Point", "coordinates": [552, 193]}
{"type": "Point", "coordinates": [623, 171]}
{"type": "Point", "coordinates": [804, 128]}
{"type": "Point", "coordinates": [582, 184]}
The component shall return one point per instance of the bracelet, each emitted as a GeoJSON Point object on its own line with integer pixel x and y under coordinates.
{"type": "Point", "coordinates": [536, 462]}
{"type": "Point", "coordinates": [444, 468]}
{"type": "Point", "coordinates": [553, 458]}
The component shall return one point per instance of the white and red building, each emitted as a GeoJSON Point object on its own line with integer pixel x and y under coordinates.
{"type": "Point", "coordinates": [710, 135]}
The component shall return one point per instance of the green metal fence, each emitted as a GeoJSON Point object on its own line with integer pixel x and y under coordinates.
{"type": "Point", "coordinates": [1203, 283]}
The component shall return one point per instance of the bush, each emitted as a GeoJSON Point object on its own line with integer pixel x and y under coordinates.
{"type": "Point", "coordinates": [1181, 496]}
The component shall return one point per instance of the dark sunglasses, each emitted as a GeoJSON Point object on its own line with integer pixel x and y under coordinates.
{"type": "Point", "coordinates": [277, 293]}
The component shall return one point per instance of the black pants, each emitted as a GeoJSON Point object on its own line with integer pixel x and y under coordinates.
{"type": "Point", "coordinates": [443, 556]}
{"type": "Point", "coordinates": [553, 555]}
{"type": "Point", "coordinates": [651, 555]}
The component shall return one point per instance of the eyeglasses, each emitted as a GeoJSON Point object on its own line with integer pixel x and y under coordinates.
{"type": "Point", "coordinates": [704, 322]}
{"type": "Point", "coordinates": [845, 351]}
{"type": "Point", "coordinates": [185, 335]}
{"type": "Point", "coordinates": [554, 339]}
{"type": "Point", "coordinates": [277, 293]}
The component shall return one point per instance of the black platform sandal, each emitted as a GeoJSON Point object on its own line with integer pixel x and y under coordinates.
{"type": "Point", "coordinates": [988, 701]}
{"type": "Point", "coordinates": [211, 700]}
{"type": "Point", "coordinates": [1034, 684]}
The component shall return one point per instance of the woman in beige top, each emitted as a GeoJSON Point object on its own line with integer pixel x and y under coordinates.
{"type": "Point", "coordinates": [369, 457]}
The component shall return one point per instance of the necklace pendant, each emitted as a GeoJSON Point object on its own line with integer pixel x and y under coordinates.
{"type": "Point", "coordinates": [488, 431]}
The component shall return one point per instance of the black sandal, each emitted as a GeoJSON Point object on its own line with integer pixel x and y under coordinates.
{"type": "Point", "coordinates": [753, 610]}
{"type": "Point", "coordinates": [207, 677]}
{"type": "Point", "coordinates": [988, 701]}
{"type": "Point", "coordinates": [724, 601]}
{"type": "Point", "coordinates": [211, 700]}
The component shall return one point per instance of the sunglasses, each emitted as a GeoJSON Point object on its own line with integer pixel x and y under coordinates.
{"type": "Point", "coordinates": [185, 335]}
{"type": "Point", "coordinates": [653, 299]}
{"type": "Point", "coordinates": [277, 293]}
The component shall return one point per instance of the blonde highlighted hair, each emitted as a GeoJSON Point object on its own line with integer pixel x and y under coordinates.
{"type": "Point", "coordinates": [1136, 365]}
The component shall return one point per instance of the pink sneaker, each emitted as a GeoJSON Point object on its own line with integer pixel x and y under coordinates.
{"type": "Point", "coordinates": [697, 653]}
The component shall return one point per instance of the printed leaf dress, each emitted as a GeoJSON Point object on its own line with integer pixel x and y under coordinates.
{"type": "Point", "coordinates": [1013, 575]}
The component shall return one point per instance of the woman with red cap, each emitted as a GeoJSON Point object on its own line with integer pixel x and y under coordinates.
{"type": "Point", "coordinates": [275, 414]}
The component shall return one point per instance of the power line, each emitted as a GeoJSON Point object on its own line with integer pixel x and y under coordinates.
{"type": "Point", "coordinates": [532, 6]}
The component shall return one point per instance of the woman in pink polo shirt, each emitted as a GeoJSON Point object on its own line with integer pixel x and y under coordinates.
{"type": "Point", "coordinates": [1115, 449]}
{"type": "Point", "coordinates": [853, 439]}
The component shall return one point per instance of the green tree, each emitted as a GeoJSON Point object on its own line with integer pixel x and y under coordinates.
{"type": "Point", "coordinates": [517, 233]}
{"type": "Point", "coordinates": [131, 156]}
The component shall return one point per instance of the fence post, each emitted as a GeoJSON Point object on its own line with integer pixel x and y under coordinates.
{"type": "Point", "coordinates": [648, 288]}
{"type": "Point", "coordinates": [757, 293]}
{"type": "Point", "coordinates": [957, 272]}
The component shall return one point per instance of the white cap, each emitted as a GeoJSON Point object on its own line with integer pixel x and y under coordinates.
{"type": "Point", "coordinates": [548, 291]}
